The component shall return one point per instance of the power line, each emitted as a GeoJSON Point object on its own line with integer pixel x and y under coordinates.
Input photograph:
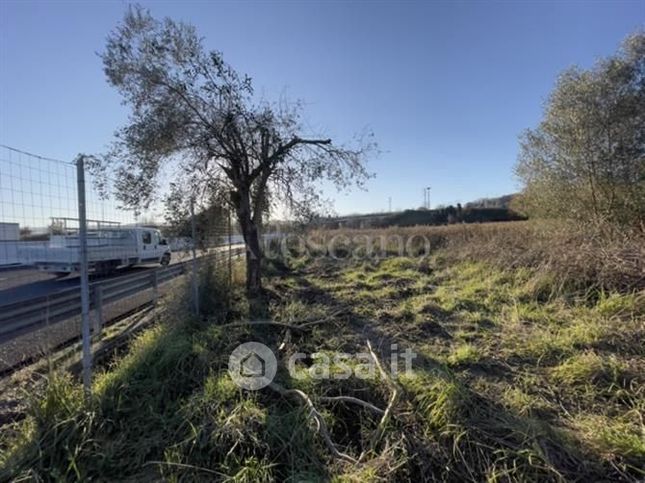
{"type": "Point", "coordinates": [43, 158]}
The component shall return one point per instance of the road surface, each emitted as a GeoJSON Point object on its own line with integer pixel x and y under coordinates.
{"type": "Point", "coordinates": [25, 283]}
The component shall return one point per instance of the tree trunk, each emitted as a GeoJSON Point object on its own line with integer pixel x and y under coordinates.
{"type": "Point", "coordinates": [251, 236]}
{"type": "Point", "coordinates": [253, 261]}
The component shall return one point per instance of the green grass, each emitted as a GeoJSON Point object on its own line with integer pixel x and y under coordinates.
{"type": "Point", "coordinates": [509, 385]}
{"type": "Point", "coordinates": [464, 354]}
{"type": "Point", "coordinates": [622, 435]}
{"type": "Point", "coordinates": [513, 366]}
{"type": "Point", "coordinates": [588, 368]}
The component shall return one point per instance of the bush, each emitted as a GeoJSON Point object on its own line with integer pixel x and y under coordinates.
{"type": "Point", "coordinates": [585, 159]}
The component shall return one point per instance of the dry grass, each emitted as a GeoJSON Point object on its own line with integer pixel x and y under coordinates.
{"type": "Point", "coordinates": [506, 386]}
{"type": "Point", "coordinates": [526, 370]}
{"type": "Point", "coordinates": [564, 258]}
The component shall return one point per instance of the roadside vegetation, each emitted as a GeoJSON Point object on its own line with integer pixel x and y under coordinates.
{"type": "Point", "coordinates": [522, 373]}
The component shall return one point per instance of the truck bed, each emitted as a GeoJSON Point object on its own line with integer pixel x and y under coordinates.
{"type": "Point", "coordinates": [56, 257]}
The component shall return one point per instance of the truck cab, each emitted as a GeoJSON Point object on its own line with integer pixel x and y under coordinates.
{"type": "Point", "coordinates": [151, 246]}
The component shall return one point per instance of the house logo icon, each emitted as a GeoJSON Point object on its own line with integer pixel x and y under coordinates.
{"type": "Point", "coordinates": [252, 365]}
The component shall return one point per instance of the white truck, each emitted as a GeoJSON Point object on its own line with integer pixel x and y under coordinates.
{"type": "Point", "coordinates": [107, 250]}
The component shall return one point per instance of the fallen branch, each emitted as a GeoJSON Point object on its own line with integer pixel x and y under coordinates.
{"type": "Point", "coordinates": [286, 340]}
{"type": "Point", "coordinates": [298, 325]}
{"type": "Point", "coordinates": [320, 422]}
{"type": "Point", "coordinates": [353, 400]}
{"type": "Point", "coordinates": [184, 466]}
{"type": "Point", "coordinates": [387, 414]}
{"type": "Point", "coordinates": [272, 323]}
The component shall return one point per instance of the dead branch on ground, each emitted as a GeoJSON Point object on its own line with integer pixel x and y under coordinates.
{"type": "Point", "coordinates": [320, 422]}
{"type": "Point", "coordinates": [297, 325]}
{"type": "Point", "coordinates": [387, 414]}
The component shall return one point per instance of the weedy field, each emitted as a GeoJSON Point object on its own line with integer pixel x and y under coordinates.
{"type": "Point", "coordinates": [529, 367]}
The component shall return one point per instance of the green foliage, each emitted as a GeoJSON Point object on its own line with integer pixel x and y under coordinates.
{"type": "Point", "coordinates": [189, 107]}
{"type": "Point", "coordinates": [216, 294]}
{"type": "Point", "coordinates": [586, 159]}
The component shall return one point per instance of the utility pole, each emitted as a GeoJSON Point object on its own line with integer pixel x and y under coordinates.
{"type": "Point", "coordinates": [389, 204]}
{"type": "Point", "coordinates": [428, 197]}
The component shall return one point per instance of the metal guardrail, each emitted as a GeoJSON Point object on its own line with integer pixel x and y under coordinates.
{"type": "Point", "coordinates": [28, 315]}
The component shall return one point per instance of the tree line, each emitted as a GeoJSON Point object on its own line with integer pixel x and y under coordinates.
{"type": "Point", "coordinates": [585, 161]}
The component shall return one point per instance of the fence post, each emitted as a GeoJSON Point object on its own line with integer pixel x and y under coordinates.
{"type": "Point", "coordinates": [85, 287]}
{"type": "Point", "coordinates": [98, 307]}
{"type": "Point", "coordinates": [230, 253]}
{"type": "Point", "coordinates": [194, 275]}
{"type": "Point", "coordinates": [155, 287]}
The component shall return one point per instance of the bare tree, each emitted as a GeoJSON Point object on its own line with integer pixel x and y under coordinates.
{"type": "Point", "coordinates": [190, 107]}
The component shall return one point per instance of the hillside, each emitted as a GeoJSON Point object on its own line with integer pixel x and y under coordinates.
{"type": "Point", "coordinates": [440, 216]}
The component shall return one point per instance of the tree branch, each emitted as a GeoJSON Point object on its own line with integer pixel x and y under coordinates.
{"type": "Point", "coordinates": [387, 414]}
{"type": "Point", "coordinates": [353, 400]}
{"type": "Point", "coordinates": [320, 421]}
{"type": "Point", "coordinates": [300, 324]}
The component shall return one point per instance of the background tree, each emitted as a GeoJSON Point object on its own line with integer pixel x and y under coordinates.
{"type": "Point", "coordinates": [211, 219]}
{"type": "Point", "coordinates": [586, 159]}
{"type": "Point", "coordinates": [191, 108]}
{"type": "Point", "coordinates": [56, 227]}
{"type": "Point", "coordinates": [25, 232]}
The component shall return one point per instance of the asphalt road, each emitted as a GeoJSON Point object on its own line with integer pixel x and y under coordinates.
{"type": "Point", "coordinates": [22, 284]}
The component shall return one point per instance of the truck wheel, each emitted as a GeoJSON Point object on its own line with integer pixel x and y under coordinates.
{"type": "Point", "coordinates": [165, 259]}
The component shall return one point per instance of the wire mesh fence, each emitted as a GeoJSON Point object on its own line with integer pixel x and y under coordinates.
{"type": "Point", "coordinates": [74, 261]}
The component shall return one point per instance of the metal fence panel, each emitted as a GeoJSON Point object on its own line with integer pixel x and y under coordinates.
{"type": "Point", "coordinates": [42, 294]}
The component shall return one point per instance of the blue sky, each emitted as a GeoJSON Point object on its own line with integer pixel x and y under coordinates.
{"type": "Point", "coordinates": [446, 87]}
